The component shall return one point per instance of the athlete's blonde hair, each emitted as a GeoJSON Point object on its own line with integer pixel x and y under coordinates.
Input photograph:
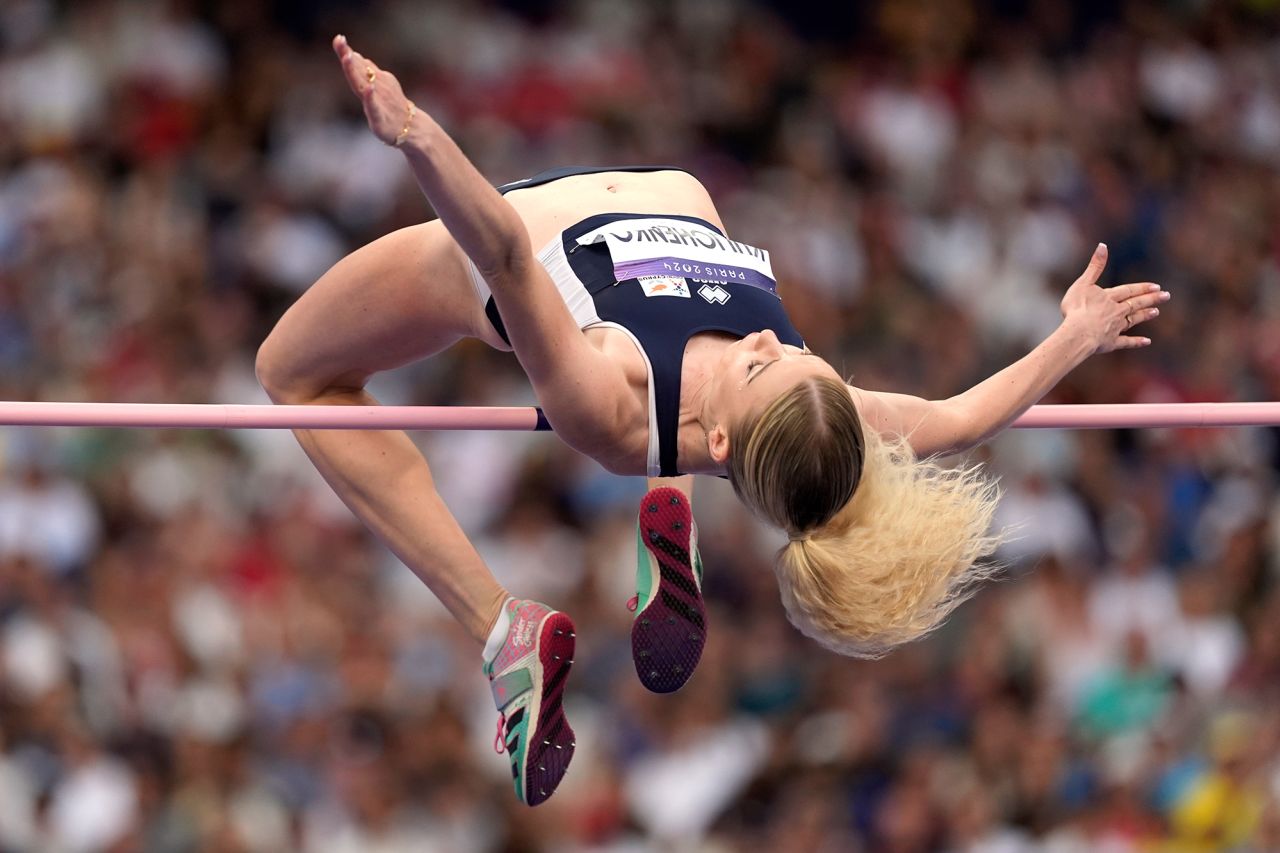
{"type": "Point", "coordinates": [882, 553]}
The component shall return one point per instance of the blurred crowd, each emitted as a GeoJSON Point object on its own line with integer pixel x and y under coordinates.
{"type": "Point", "coordinates": [200, 650]}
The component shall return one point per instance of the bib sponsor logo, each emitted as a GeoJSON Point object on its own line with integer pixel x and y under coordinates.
{"type": "Point", "coordinates": [664, 285]}
{"type": "Point", "coordinates": [714, 293]}
{"type": "Point", "coordinates": [657, 246]}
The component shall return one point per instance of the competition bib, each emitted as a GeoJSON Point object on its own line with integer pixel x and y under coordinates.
{"type": "Point", "coordinates": [673, 247]}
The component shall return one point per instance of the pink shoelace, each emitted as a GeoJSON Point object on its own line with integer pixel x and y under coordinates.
{"type": "Point", "coordinates": [498, 746]}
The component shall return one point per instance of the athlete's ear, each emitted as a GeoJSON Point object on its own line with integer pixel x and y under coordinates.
{"type": "Point", "coordinates": [718, 444]}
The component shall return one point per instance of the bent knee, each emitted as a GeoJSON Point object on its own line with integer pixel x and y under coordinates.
{"type": "Point", "coordinates": [284, 376]}
{"type": "Point", "coordinates": [272, 368]}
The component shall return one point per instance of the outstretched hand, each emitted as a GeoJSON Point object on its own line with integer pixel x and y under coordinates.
{"type": "Point", "coordinates": [1106, 315]}
{"type": "Point", "coordinates": [386, 108]}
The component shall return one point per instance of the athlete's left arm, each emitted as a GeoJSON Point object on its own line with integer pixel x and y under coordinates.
{"type": "Point", "coordinates": [1095, 320]}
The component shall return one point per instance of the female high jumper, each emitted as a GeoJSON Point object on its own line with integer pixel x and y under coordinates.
{"type": "Point", "coordinates": [657, 346]}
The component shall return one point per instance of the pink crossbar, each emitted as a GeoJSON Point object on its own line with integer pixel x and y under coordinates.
{"type": "Point", "coordinates": [199, 416]}
{"type": "Point", "coordinates": [202, 416]}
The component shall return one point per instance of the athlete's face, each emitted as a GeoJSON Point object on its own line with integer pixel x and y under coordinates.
{"type": "Point", "coordinates": [751, 374]}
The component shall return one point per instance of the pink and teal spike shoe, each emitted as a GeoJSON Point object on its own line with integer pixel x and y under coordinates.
{"type": "Point", "coordinates": [527, 677]}
{"type": "Point", "coordinates": [670, 626]}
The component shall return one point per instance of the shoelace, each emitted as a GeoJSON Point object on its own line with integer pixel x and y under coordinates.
{"type": "Point", "coordinates": [498, 746]}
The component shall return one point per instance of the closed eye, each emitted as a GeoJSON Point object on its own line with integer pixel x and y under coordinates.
{"type": "Point", "coordinates": [751, 377]}
{"type": "Point", "coordinates": [764, 365]}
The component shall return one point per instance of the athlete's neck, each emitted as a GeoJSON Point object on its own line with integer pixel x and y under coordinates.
{"type": "Point", "coordinates": [701, 355]}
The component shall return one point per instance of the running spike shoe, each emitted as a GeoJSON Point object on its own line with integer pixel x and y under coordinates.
{"type": "Point", "coordinates": [527, 677]}
{"type": "Point", "coordinates": [670, 626]}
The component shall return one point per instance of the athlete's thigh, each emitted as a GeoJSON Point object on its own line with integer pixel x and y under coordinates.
{"type": "Point", "coordinates": [401, 298]}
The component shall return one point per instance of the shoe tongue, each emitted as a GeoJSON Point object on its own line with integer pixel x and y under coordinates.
{"type": "Point", "coordinates": [498, 634]}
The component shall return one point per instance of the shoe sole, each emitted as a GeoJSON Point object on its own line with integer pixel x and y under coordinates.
{"type": "Point", "coordinates": [667, 636]}
{"type": "Point", "coordinates": [550, 749]}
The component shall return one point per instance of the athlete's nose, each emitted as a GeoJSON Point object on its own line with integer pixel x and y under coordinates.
{"type": "Point", "coordinates": [768, 341]}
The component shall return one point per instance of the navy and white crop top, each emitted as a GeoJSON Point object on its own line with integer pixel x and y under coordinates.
{"type": "Point", "coordinates": [661, 280]}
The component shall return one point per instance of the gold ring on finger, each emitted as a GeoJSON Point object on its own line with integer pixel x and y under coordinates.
{"type": "Point", "coordinates": [370, 74]}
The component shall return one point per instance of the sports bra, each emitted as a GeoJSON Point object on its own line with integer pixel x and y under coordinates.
{"type": "Point", "coordinates": [661, 280]}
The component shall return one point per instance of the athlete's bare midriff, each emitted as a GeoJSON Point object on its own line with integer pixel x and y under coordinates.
{"type": "Point", "coordinates": [551, 208]}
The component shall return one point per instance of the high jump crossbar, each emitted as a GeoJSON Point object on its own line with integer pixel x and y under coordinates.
{"type": "Point", "coordinates": [210, 416]}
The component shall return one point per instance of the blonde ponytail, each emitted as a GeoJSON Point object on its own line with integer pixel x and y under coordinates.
{"type": "Point", "coordinates": [891, 565]}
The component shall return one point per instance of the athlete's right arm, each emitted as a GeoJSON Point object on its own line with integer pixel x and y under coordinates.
{"type": "Point", "coordinates": [583, 393]}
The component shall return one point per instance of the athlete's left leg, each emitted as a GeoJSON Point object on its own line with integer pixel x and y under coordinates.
{"type": "Point", "coordinates": [670, 626]}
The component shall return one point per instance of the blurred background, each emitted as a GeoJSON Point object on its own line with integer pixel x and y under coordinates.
{"type": "Point", "coordinates": [200, 650]}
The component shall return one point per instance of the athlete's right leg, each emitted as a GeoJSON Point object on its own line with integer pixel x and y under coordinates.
{"type": "Point", "coordinates": [402, 298]}
{"type": "Point", "coordinates": [397, 300]}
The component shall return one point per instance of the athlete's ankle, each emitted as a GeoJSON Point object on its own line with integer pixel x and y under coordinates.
{"type": "Point", "coordinates": [496, 625]}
